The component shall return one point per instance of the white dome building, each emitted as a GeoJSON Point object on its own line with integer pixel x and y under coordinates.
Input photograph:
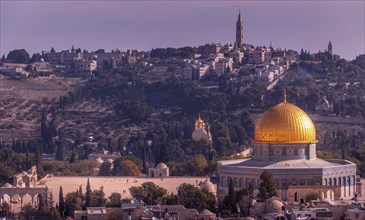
{"type": "Point", "coordinates": [160, 171]}
{"type": "Point", "coordinates": [209, 186]}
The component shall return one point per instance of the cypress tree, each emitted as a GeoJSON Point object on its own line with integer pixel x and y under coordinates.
{"type": "Point", "coordinates": [267, 186]}
{"type": "Point", "coordinates": [73, 158]}
{"type": "Point", "coordinates": [42, 207]}
{"type": "Point", "coordinates": [80, 191]}
{"type": "Point", "coordinates": [88, 194]}
{"type": "Point", "coordinates": [61, 202]}
{"type": "Point", "coordinates": [50, 200]}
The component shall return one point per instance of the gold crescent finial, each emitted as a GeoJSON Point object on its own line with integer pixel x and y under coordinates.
{"type": "Point", "coordinates": [284, 95]}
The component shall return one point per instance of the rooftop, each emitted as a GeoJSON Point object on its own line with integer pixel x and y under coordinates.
{"type": "Point", "coordinates": [316, 163]}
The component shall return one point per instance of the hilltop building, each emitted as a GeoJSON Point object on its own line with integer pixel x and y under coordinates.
{"type": "Point", "coordinates": [285, 144]}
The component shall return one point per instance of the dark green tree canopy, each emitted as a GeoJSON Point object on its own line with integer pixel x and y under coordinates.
{"type": "Point", "coordinates": [148, 192]}
{"type": "Point", "coordinates": [18, 56]}
{"type": "Point", "coordinates": [192, 197]}
{"type": "Point", "coordinates": [267, 186]}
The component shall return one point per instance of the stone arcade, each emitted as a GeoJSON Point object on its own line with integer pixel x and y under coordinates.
{"type": "Point", "coordinates": [24, 184]}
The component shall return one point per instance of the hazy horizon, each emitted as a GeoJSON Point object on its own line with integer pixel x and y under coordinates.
{"type": "Point", "coordinates": [144, 25]}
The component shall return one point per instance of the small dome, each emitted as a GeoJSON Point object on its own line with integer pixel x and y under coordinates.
{"type": "Point", "coordinates": [206, 212]}
{"type": "Point", "coordinates": [161, 166]}
{"type": "Point", "coordinates": [209, 186]}
{"type": "Point", "coordinates": [99, 160]}
{"type": "Point", "coordinates": [7, 185]}
{"type": "Point", "coordinates": [274, 205]}
{"type": "Point", "coordinates": [285, 123]}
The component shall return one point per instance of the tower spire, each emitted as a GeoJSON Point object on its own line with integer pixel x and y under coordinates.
{"type": "Point", "coordinates": [239, 31]}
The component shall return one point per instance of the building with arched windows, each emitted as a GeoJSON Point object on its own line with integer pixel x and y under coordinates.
{"type": "Point", "coordinates": [285, 144]}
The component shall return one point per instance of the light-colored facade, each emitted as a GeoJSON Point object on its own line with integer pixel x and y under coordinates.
{"type": "Point", "coordinates": [86, 65]}
{"type": "Point", "coordinates": [64, 57]}
{"type": "Point", "coordinates": [160, 171]}
{"type": "Point", "coordinates": [285, 145]}
{"type": "Point", "coordinates": [256, 56]}
{"type": "Point", "coordinates": [222, 66]}
{"type": "Point", "coordinates": [238, 56]}
{"type": "Point", "coordinates": [202, 70]}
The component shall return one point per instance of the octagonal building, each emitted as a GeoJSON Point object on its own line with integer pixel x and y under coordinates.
{"type": "Point", "coordinates": [285, 144]}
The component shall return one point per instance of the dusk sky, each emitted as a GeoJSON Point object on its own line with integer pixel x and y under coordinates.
{"type": "Point", "coordinates": [143, 25]}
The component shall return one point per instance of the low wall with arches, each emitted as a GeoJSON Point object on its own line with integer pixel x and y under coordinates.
{"type": "Point", "coordinates": [9, 194]}
{"type": "Point", "coordinates": [296, 193]}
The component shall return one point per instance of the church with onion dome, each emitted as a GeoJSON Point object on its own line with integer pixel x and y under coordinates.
{"type": "Point", "coordinates": [285, 144]}
{"type": "Point", "coordinates": [201, 131]}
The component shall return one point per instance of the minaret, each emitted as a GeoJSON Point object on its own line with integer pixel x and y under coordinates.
{"type": "Point", "coordinates": [239, 31]}
{"type": "Point", "coordinates": [330, 48]}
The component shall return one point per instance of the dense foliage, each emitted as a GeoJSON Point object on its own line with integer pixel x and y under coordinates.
{"type": "Point", "coordinates": [148, 192]}
{"type": "Point", "coordinates": [13, 163]}
{"type": "Point", "coordinates": [192, 197]}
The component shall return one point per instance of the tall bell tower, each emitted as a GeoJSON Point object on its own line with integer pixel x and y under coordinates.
{"type": "Point", "coordinates": [239, 31]}
{"type": "Point", "coordinates": [329, 48]}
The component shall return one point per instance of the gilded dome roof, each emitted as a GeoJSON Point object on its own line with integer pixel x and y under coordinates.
{"type": "Point", "coordinates": [199, 122]}
{"type": "Point", "coordinates": [285, 123]}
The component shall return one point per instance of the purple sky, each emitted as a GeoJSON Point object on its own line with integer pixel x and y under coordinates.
{"type": "Point", "coordinates": [143, 25]}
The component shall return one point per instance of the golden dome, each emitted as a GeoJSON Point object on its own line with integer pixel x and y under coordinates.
{"type": "Point", "coordinates": [199, 122]}
{"type": "Point", "coordinates": [285, 123]}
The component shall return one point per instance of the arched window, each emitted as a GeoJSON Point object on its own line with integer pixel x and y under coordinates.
{"type": "Point", "coordinates": [223, 183]}
{"type": "Point", "coordinates": [241, 182]}
{"type": "Point", "coordinates": [229, 179]}
{"type": "Point", "coordinates": [296, 197]}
